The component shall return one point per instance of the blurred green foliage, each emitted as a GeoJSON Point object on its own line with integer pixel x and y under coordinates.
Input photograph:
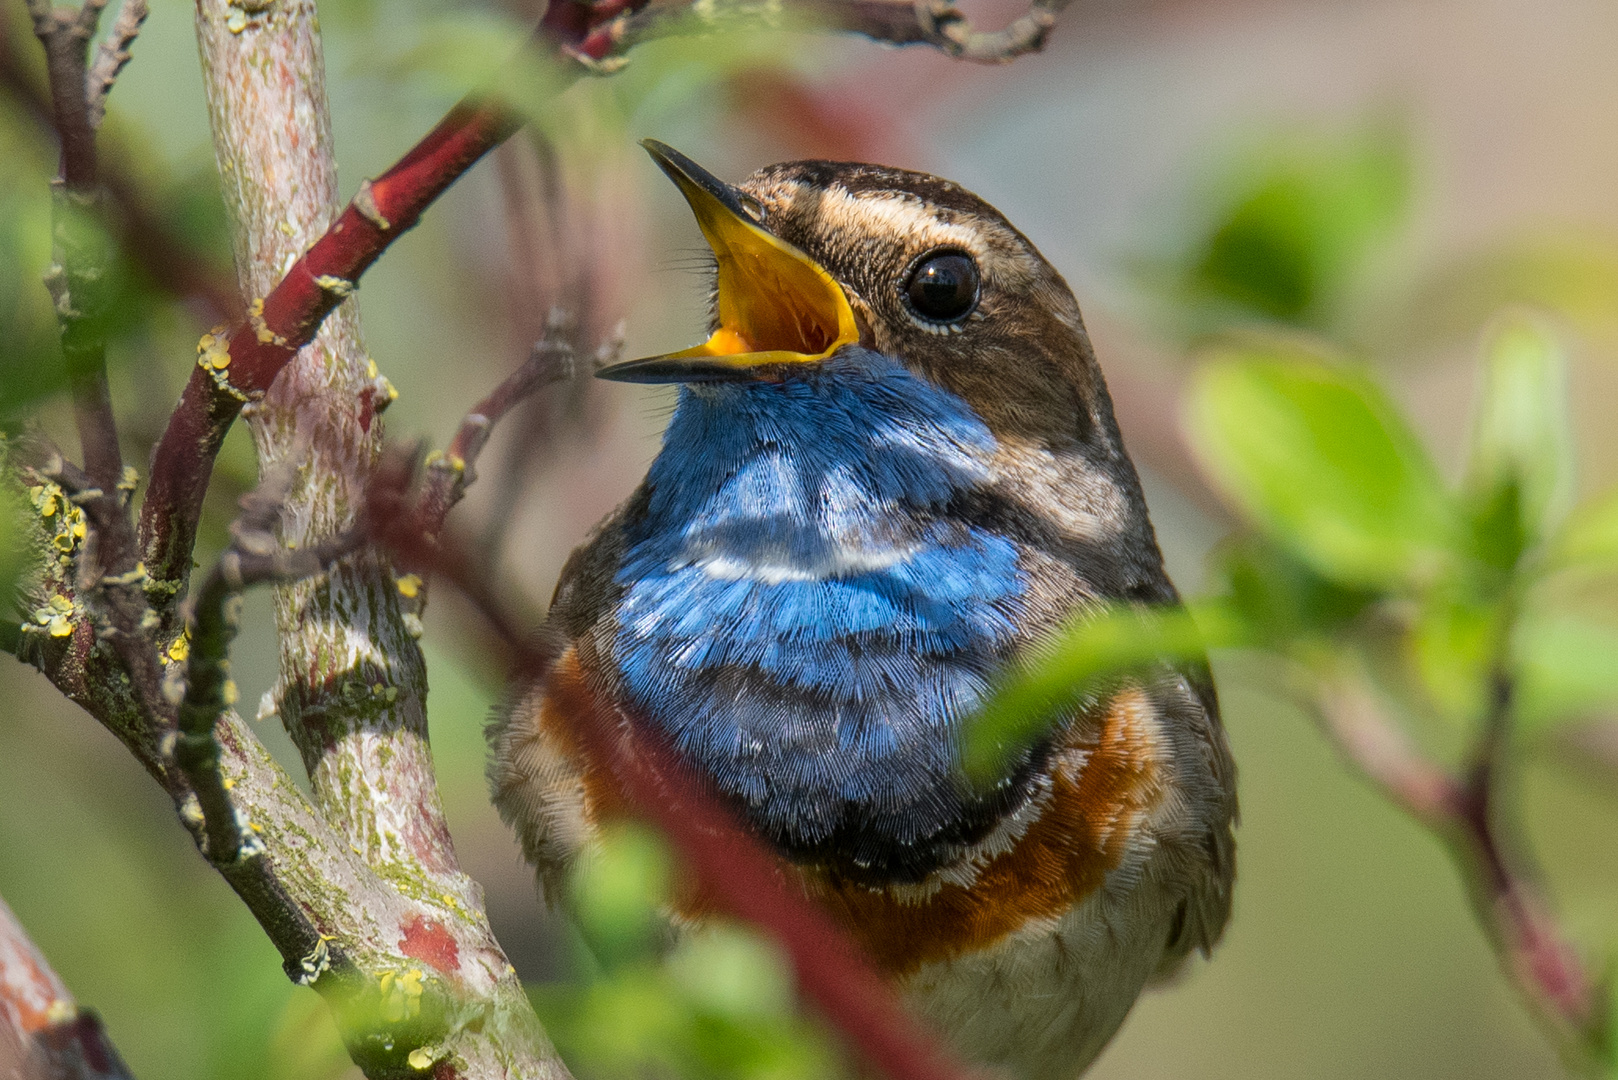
{"type": "Point", "coordinates": [1283, 231]}
{"type": "Point", "coordinates": [30, 367]}
{"type": "Point", "coordinates": [716, 1002]}
{"type": "Point", "coordinates": [1315, 452]}
{"type": "Point", "coordinates": [1354, 544]}
{"type": "Point", "coordinates": [1450, 601]}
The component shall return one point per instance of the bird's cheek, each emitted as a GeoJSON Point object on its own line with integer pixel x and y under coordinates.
{"type": "Point", "coordinates": [864, 321]}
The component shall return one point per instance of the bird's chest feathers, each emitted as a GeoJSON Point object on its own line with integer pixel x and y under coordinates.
{"type": "Point", "coordinates": [800, 612]}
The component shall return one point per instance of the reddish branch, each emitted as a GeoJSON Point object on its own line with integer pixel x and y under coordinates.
{"type": "Point", "coordinates": [1537, 956]}
{"type": "Point", "coordinates": [551, 360]}
{"type": "Point", "coordinates": [743, 877]}
{"type": "Point", "coordinates": [44, 1035]}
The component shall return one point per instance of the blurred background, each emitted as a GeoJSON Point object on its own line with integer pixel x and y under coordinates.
{"type": "Point", "coordinates": [1382, 173]}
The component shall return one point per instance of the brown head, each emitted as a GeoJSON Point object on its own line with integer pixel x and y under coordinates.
{"type": "Point", "coordinates": [929, 273]}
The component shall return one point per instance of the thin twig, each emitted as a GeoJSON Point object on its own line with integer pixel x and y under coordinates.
{"type": "Point", "coordinates": [550, 360]}
{"type": "Point", "coordinates": [41, 1026]}
{"type": "Point", "coordinates": [575, 266]}
{"type": "Point", "coordinates": [1532, 946]}
{"type": "Point", "coordinates": [1352, 720]}
{"type": "Point", "coordinates": [254, 557]}
{"type": "Point", "coordinates": [111, 57]}
{"type": "Point", "coordinates": [78, 275]}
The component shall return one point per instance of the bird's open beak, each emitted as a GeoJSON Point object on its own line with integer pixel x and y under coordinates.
{"type": "Point", "coordinates": [777, 306]}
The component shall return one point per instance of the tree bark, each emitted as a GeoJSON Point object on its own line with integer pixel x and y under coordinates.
{"type": "Point", "coordinates": [353, 687]}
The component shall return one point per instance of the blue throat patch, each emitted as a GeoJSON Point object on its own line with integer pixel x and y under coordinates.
{"type": "Point", "coordinates": [806, 622]}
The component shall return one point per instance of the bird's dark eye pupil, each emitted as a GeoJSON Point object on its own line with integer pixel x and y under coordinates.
{"type": "Point", "coordinates": [943, 288]}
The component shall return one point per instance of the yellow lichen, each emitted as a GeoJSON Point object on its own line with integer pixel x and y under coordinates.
{"type": "Point", "coordinates": [213, 352]}
{"type": "Point", "coordinates": [255, 315]}
{"type": "Point", "coordinates": [401, 994]}
{"type": "Point", "coordinates": [338, 286]}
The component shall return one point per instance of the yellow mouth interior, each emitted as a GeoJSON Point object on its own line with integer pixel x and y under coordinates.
{"type": "Point", "coordinates": [776, 305]}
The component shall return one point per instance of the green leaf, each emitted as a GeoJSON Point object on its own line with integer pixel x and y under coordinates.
{"type": "Point", "coordinates": [1283, 599]}
{"type": "Point", "coordinates": [732, 972]}
{"type": "Point", "coordinates": [1590, 535]}
{"type": "Point", "coordinates": [1320, 461]}
{"type": "Point", "coordinates": [1520, 471]}
{"type": "Point", "coordinates": [617, 893]}
{"type": "Point", "coordinates": [1287, 226]}
{"type": "Point", "coordinates": [1567, 666]}
{"type": "Point", "coordinates": [1574, 274]}
{"type": "Point", "coordinates": [1452, 645]}
{"type": "Point", "coordinates": [1095, 646]}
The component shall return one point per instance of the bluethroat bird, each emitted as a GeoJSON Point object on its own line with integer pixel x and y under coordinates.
{"type": "Point", "coordinates": [893, 470]}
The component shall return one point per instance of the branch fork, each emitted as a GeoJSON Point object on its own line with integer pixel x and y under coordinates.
{"type": "Point", "coordinates": [357, 886]}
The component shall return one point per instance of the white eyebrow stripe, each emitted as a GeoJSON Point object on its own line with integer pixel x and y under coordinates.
{"type": "Point", "coordinates": [845, 213]}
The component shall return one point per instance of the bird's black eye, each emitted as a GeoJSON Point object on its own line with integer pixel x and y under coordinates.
{"type": "Point", "coordinates": [943, 287]}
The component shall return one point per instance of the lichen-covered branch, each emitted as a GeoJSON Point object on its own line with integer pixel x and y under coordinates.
{"type": "Point", "coordinates": [254, 557]}
{"type": "Point", "coordinates": [44, 1034]}
{"type": "Point", "coordinates": [352, 692]}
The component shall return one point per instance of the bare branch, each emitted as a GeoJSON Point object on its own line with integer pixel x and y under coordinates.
{"type": "Point", "coordinates": [935, 23]}
{"type": "Point", "coordinates": [42, 1029]}
{"type": "Point", "coordinates": [111, 57]}
{"type": "Point", "coordinates": [255, 557]}
{"type": "Point", "coordinates": [110, 579]}
{"type": "Point", "coordinates": [448, 474]}
{"type": "Point", "coordinates": [1532, 946]}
